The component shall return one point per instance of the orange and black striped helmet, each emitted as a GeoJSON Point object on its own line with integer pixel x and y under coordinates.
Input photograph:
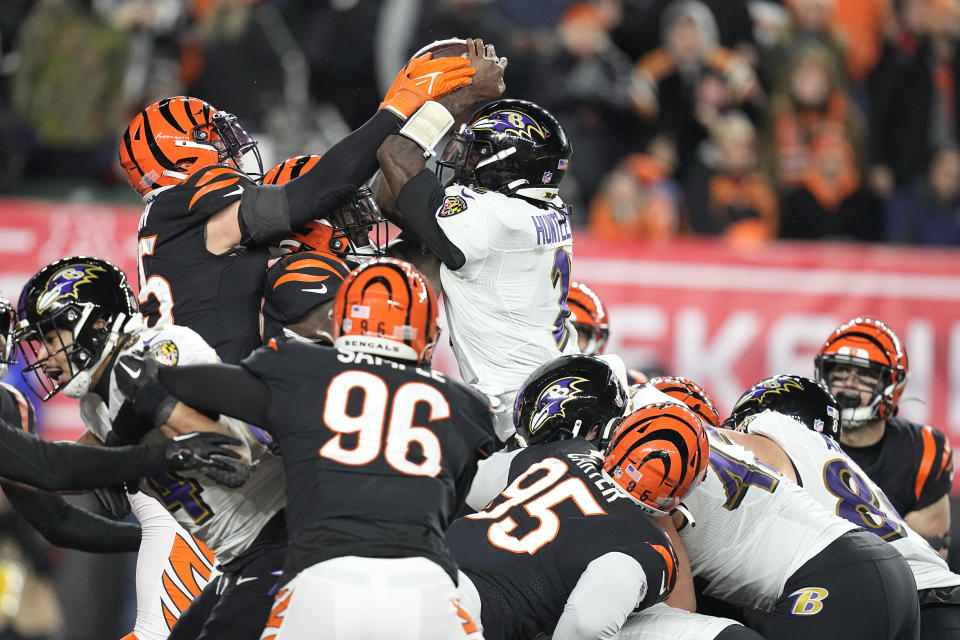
{"type": "Point", "coordinates": [691, 394]}
{"type": "Point", "coordinates": [290, 168]}
{"type": "Point", "coordinates": [176, 137]}
{"type": "Point", "coordinates": [345, 232]}
{"type": "Point", "coordinates": [386, 307]}
{"type": "Point", "coordinates": [657, 455]}
{"type": "Point", "coordinates": [873, 346]}
{"type": "Point", "coordinates": [589, 317]}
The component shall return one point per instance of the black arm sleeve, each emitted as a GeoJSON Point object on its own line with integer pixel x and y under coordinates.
{"type": "Point", "coordinates": [222, 388]}
{"type": "Point", "coordinates": [268, 212]}
{"type": "Point", "coordinates": [419, 200]}
{"type": "Point", "coordinates": [71, 527]}
{"type": "Point", "coordinates": [55, 466]}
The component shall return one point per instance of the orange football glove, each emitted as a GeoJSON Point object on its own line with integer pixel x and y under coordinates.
{"type": "Point", "coordinates": [426, 79]}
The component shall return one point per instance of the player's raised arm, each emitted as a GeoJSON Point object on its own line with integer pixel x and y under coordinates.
{"type": "Point", "coordinates": [267, 212]}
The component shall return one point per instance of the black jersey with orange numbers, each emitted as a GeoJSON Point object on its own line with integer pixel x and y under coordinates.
{"type": "Point", "coordinates": [16, 410]}
{"type": "Point", "coordinates": [912, 463]}
{"type": "Point", "coordinates": [218, 296]}
{"type": "Point", "coordinates": [297, 284]}
{"type": "Point", "coordinates": [378, 455]}
{"type": "Point", "coordinates": [528, 548]}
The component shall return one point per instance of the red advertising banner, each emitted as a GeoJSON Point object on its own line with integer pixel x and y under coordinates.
{"type": "Point", "coordinates": [723, 316]}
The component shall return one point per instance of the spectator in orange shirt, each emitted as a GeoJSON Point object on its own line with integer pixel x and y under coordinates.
{"type": "Point", "coordinates": [816, 145]}
{"type": "Point", "coordinates": [635, 203]}
{"type": "Point", "coordinates": [726, 194]}
{"type": "Point", "coordinates": [682, 86]}
{"type": "Point", "coordinates": [863, 24]}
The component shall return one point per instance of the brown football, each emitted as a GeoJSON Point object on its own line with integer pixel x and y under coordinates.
{"type": "Point", "coordinates": [448, 48]}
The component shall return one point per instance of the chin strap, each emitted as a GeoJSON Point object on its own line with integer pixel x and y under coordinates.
{"type": "Point", "coordinates": [939, 542]}
{"type": "Point", "coordinates": [79, 383]}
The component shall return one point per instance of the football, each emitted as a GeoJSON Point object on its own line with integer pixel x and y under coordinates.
{"type": "Point", "coordinates": [448, 48]}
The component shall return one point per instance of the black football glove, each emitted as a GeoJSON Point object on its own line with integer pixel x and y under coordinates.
{"type": "Point", "coordinates": [208, 454]}
{"type": "Point", "coordinates": [137, 380]}
{"type": "Point", "coordinates": [114, 501]}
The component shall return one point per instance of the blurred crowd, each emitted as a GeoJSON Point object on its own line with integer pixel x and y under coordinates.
{"type": "Point", "coordinates": [744, 119]}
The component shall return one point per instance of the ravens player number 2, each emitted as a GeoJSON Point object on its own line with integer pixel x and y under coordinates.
{"type": "Point", "coordinates": [368, 424]}
{"type": "Point", "coordinates": [541, 508]}
{"type": "Point", "coordinates": [561, 274]}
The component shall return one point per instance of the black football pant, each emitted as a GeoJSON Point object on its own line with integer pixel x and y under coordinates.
{"type": "Point", "coordinates": [940, 613]}
{"type": "Point", "coordinates": [236, 605]}
{"type": "Point", "coordinates": [858, 588]}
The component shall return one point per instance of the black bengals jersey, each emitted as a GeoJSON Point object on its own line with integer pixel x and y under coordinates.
{"type": "Point", "coordinates": [298, 283]}
{"type": "Point", "coordinates": [377, 455]}
{"type": "Point", "coordinates": [912, 463]}
{"type": "Point", "coordinates": [16, 410]}
{"type": "Point", "coordinates": [528, 548]}
{"type": "Point", "coordinates": [183, 283]}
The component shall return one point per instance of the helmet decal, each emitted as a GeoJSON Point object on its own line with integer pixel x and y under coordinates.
{"type": "Point", "coordinates": [774, 386]}
{"type": "Point", "coordinates": [64, 283]}
{"type": "Point", "coordinates": [510, 121]}
{"type": "Point", "coordinates": [550, 402]}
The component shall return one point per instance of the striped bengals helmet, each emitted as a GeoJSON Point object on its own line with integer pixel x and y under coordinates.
{"type": "Point", "coordinates": [871, 345]}
{"type": "Point", "coordinates": [386, 307]}
{"type": "Point", "coordinates": [176, 137]}
{"type": "Point", "coordinates": [657, 455]}
{"type": "Point", "coordinates": [589, 317]}
{"type": "Point", "coordinates": [691, 394]}
{"type": "Point", "coordinates": [345, 232]}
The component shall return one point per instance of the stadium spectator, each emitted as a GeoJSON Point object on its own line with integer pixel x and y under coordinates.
{"type": "Point", "coordinates": [690, 79]}
{"type": "Point", "coordinates": [635, 203]}
{"type": "Point", "coordinates": [67, 90]}
{"type": "Point", "coordinates": [808, 23]}
{"type": "Point", "coordinates": [928, 212]}
{"type": "Point", "coordinates": [816, 143]}
{"type": "Point", "coordinates": [726, 193]}
{"type": "Point", "coordinates": [593, 101]}
{"type": "Point", "coordinates": [916, 102]}
{"type": "Point", "coordinates": [862, 25]}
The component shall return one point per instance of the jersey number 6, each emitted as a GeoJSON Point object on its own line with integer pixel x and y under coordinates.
{"type": "Point", "coordinates": [368, 424]}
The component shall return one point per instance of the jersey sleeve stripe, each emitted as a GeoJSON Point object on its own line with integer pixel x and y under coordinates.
{"type": "Point", "coordinates": [926, 463]}
{"type": "Point", "coordinates": [298, 277]}
{"type": "Point", "coordinates": [318, 264]}
{"type": "Point", "coordinates": [210, 188]}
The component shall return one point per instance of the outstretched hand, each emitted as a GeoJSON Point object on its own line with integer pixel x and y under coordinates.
{"type": "Point", "coordinates": [209, 454]}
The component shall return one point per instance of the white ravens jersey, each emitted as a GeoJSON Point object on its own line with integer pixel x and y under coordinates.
{"type": "Point", "coordinates": [752, 528]}
{"type": "Point", "coordinates": [839, 484]}
{"type": "Point", "coordinates": [506, 306]}
{"type": "Point", "coordinates": [227, 520]}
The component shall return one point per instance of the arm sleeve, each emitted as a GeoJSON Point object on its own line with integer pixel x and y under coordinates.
{"type": "Point", "coordinates": [935, 476]}
{"type": "Point", "coordinates": [419, 200]}
{"type": "Point", "coordinates": [608, 590]}
{"type": "Point", "coordinates": [270, 212]}
{"type": "Point", "coordinates": [71, 527]}
{"type": "Point", "coordinates": [220, 388]}
{"type": "Point", "coordinates": [56, 466]}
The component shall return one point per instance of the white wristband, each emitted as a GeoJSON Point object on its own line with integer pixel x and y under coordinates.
{"type": "Point", "coordinates": [427, 126]}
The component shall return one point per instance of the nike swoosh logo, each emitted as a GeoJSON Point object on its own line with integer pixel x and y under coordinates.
{"type": "Point", "coordinates": [322, 289]}
{"type": "Point", "coordinates": [428, 79]}
{"type": "Point", "coordinates": [235, 192]}
{"type": "Point", "coordinates": [133, 374]}
{"type": "Point", "coordinates": [242, 580]}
